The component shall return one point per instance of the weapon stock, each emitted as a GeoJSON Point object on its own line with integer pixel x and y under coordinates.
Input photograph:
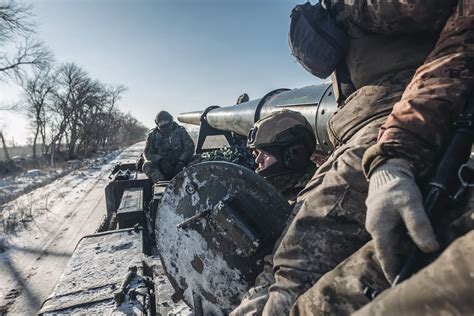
{"type": "Point", "coordinates": [316, 103]}
{"type": "Point", "coordinates": [443, 185]}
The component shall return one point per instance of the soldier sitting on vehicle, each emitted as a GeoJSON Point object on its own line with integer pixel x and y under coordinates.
{"type": "Point", "coordinates": [283, 144]}
{"type": "Point", "coordinates": [168, 149]}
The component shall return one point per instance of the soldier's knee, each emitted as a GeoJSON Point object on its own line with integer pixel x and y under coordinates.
{"type": "Point", "coordinates": [147, 167]}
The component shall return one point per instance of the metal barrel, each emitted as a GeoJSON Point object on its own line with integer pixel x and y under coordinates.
{"type": "Point", "coordinates": [316, 103]}
{"type": "Point", "coordinates": [193, 118]}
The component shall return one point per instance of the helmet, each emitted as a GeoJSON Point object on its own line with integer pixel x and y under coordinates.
{"type": "Point", "coordinates": [243, 98]}
{"type": "Point", "coordinates": [287, 135]}
{"type": "Point", "coordinates": [163, 117]}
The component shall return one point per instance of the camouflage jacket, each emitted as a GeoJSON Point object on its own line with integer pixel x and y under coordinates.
{"type": "Point", "coordinates": [173, 146]}
{"type": "Point", "coordinates": [291, 184]}
{"type": "Point", "coordinates": [419, 125]}
{"type": "Point", "coordinates": [388, 36]}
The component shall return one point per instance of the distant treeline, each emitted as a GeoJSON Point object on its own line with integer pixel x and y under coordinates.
{"type": "Point", "coordinates": [65, 107]}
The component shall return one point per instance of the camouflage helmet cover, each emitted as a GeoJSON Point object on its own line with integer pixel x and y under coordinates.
{"type": "Point", "coordinates": [282, 128]}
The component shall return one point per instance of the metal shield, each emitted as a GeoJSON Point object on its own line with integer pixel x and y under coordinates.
{"type": "Point", "coordinates": [215, 223]}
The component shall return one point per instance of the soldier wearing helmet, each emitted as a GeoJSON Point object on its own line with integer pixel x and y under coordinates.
{"type": "Point", "coordinates": [282, 144]}
{"type": "Point", "coordinates": [168, 149]}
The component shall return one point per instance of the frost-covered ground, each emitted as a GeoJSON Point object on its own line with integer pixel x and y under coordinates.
{"type": "Point", "coordinates": [15, 185]}
{"type": "Point", "coordinates": [40, 229]}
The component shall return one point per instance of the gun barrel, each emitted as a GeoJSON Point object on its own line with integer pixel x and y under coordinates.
{"type": "Point", "coordinates": [316, 103]}
{"type": "Point", "coordinates": [193, 118]}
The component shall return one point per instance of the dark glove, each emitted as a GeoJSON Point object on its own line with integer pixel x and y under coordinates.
{"type": "Point", "coordinates": [179, 166]}
{"type": "Point", "coordinates": [139, 163]}
{"type": "Point", "coordinates": [167, 169]}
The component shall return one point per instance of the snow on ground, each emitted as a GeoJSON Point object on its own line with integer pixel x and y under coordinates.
{"type": "Point", "coordinates": [16, 185]}
{"type": "Point", "coordinates": [50, 221]}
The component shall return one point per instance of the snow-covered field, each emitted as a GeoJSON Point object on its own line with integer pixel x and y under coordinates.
{"type": "Point", "coordinates": [40, 229]}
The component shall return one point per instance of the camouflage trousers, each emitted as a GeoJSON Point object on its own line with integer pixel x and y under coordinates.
{"type": "Point", "coordinates": [152, 170]}
{"type": "Point", "coordinates": [445, 287]}
{"type": "Point", "coordinates": [341, 291]}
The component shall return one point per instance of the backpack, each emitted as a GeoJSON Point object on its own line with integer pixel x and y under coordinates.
{"type": "Point", "coordinates": [316, 40]}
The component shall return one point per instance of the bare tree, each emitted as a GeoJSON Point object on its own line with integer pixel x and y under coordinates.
{"type": "Point", "coordinates": [5, 149]}
{"type": "Point", "coordinates": [19, 48]}
{"type": "Point", "coordinates": [15, 19]}
{"type": "Point", "coordinates": [37, 91]}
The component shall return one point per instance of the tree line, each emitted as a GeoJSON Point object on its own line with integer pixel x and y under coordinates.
{"type": "Point", "coordinates": [66, 107]}
{"type": "Point", "coordinates": [68, 111]}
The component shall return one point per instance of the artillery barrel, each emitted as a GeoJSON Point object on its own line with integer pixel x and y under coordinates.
{"type": "Point", "coordinates": [316, 103]}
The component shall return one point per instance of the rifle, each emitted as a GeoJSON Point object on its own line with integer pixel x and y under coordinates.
{"type": "Point", "coordinates": [448, 183]}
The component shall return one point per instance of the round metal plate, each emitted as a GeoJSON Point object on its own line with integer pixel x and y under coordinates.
{"type": "Point", "coordinates": [215, 223]}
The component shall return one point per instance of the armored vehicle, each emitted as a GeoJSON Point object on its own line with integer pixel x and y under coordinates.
{"type": "Point", "coordinates": [195, 244]}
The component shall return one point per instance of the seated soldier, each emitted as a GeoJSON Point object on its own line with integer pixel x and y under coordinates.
{"type": "Point", "coordinates": [168, 149]}
{"type": "Point", "coordinates": [283, 144]}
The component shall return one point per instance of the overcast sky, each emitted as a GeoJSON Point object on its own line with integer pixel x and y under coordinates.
{"type": "Point", "coordinates": [174, 55]}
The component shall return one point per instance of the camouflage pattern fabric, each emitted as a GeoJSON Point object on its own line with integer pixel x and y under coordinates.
{"type": "Point", "coordinates": [330, 224]}
{"type": "Point", "coordinates": [254, 300]}
{"type": "Point", "coordinates": [437, 93]}
{"type": "Point", "coordinates": [388, 36]}
{"type": "Point", "coordinates": [290, 185]}
{"type": "Point", "coordinates": [235, 154]}
{"type": "Point", "coordinates": [173, 146]}
{"type": "Point", "coordinates": [341, 291]}
{"type": "Point", "coordinates": [152, 170]}
{"type": "Point", "coordinates": [445, 287]}
{"type": "Point", "coordinates": [393, 17]}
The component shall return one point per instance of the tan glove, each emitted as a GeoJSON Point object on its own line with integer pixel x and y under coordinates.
{"type": "Point", "coordinates": [394, 198]}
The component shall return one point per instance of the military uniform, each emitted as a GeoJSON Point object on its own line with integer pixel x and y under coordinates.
{"type": "Point", "coordinates": [166, 149]}
{"type": "Point", "coordinates": [280, 131]}
{"type": "Point", "coordinates": [254, 300]}
{"type": "Point", "coordinates": [445, 287]}
{"type": "Point", "coordinates": [416, 130]}
{"type": "Point", "coordinates": [387, 43]}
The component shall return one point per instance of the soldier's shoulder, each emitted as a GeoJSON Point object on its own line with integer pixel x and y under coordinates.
{"type": "Point", "coordinates": [181, 129]}
{"type": "Point", "coordinates": [151, 132]}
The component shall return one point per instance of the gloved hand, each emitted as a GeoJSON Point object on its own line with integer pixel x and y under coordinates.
{"type": "Point", "coordinates": [167, 169]}
{"type": "Point", "coordinates": [394, 198]}
{"type": "Point", "coordinates": [139, 162]}
{"type": "Point", "coordinates": [179, 166]}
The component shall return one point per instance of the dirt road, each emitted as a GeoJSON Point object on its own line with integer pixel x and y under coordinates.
{"type": "Point", "coordinates": [62, 212]}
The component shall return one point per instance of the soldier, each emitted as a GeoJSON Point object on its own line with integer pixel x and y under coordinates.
{"type": "Point", "coordinates": [388, 41]}
{"type": "Point", "coordinates": [415, 132]}
{"type": "Point", "coordinates": [283, 144]}
{"type": "Point", "coordinates": [168, 149]}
